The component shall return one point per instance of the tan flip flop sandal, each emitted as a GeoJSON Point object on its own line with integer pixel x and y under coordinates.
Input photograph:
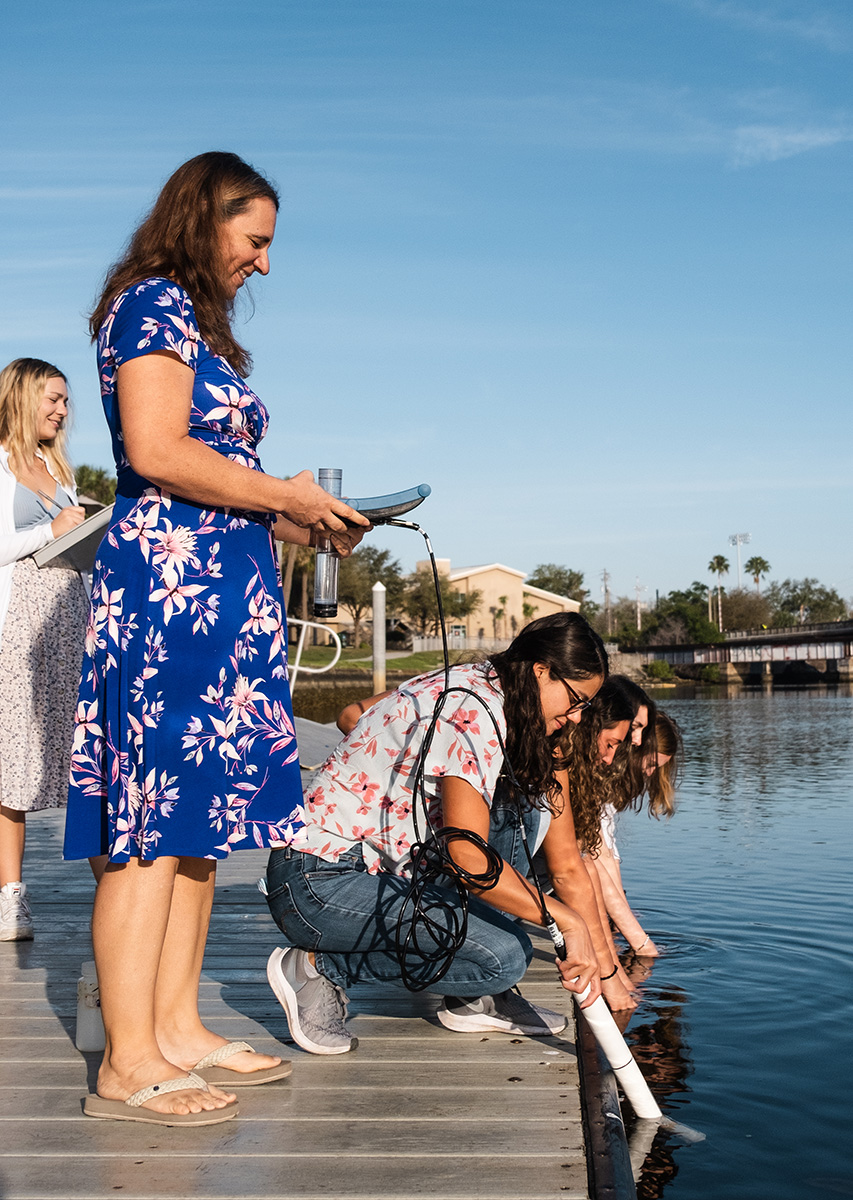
{"type": "Point", "coordinates": [210, 1071]}
{"type": "Point", "coordinates": [131, 1109]}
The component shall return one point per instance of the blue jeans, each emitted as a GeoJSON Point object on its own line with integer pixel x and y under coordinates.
{"type": "Point", "coordinates": [349, 917]}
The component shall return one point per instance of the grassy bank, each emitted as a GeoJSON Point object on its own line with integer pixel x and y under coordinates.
{"type": "Point", "coordinates": [356, 660]}
{"type": "Point", "coordinates": [321, 697]}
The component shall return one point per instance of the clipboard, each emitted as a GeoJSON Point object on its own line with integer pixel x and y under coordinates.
{"type": "Point", "coordinates": [78, 546]}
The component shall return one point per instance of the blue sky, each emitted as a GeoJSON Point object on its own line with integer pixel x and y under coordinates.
{"type": "Point", "coordinates": [585, 269]}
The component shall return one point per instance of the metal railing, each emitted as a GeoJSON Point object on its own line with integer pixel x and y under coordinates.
{"type": "Point", "coordinates": [458, 641]}
{"type": "Point", "coordinates": [294, 661]}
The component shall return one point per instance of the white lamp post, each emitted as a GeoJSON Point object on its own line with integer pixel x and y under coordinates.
{"type": "Point", "coordinates": [739, 539]}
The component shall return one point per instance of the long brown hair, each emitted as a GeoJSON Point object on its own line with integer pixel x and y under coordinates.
{"type": "Point", "coordinates": [22, 385]}
{"type": "Point", "coordinates": [180, 240]}
{"type": "Point", "coordinates": [631, 781]}
{"type": "Point", "coordinates": [571, 649]}
{"type": "Point", "coordinates": [589, 779]}
{"type": "Point", "coordinates": [662, 781]}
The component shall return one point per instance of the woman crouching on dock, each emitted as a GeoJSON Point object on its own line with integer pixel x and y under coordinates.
{"type": "Point", "coordinates": [338, 897]}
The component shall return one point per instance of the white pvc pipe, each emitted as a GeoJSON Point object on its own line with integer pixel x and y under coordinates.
{"type": "Point", "coordinates": [624, 1067]}
{"type": "Point", "coordinates": [622, 1063]}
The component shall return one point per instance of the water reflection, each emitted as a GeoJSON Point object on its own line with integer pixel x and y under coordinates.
{"type": "Point", "coordinates": [657, 1043]}
{"type": "Point", "coordinates": [747, 892]}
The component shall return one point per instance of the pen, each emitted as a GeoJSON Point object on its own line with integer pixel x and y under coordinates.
{"type": "Point", "coordinates": [44, 496]}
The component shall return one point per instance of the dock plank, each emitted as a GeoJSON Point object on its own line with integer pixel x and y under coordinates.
{"type": "Point", "coordinates": [415, 1112]}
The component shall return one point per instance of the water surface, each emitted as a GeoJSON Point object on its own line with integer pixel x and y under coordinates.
{"type": "Point", "coordinates": [745, 1027]}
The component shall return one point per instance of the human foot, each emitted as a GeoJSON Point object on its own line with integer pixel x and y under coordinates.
{"type": "Point", "coordinates": [316, 1008]}
{"type": "Point", "coordinates": [203, 1051]}
{"type": "Point", "coordinates": [506, 1012]}
{"type": "Point", "coordinates": [16, 920]}
{"type": "Point", "coordinates": [137, 1106]}
{"type": "Point", "coordinates": [166, 1095]}
{"type": "Point", "coordinates": [216, 1066]}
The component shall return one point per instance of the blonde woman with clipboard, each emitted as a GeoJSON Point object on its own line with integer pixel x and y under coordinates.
{"type": "Point", "coordinates": [42, 618]}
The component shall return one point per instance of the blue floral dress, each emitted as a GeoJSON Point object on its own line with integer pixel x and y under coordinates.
{"type": "Point", "coordinates": [184, 741]}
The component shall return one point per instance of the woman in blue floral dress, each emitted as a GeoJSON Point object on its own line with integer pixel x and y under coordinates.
{"type": "Point", "coordinates": [184, 745]}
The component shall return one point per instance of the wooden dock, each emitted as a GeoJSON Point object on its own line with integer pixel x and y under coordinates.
{"type": "Point", "coordinates": [415, 1111]}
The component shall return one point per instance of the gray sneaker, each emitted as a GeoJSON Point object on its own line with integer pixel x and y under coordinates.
{"type": "Point", "coordinates": [508, 1012]}
{"type": "Point", "coordinates": [316, 1008]}
{"type": "Point", "coordinates": [16, 920]}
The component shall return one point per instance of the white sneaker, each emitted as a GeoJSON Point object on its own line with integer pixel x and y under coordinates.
{"type": "Point", "coordinates": [316, 1008]}
{"type": "Point", "coordinates": [16, 920]}
{"type": "Point", "coordinates": [508, 1012]}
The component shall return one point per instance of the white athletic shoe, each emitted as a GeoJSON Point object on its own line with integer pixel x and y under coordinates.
{"type": "Point", "coordinates": [508, 1012]}
{"type": "Point", "coordinates": [16, 920]}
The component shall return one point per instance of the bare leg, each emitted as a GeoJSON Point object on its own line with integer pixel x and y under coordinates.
{"type": "Point", "coordinates": [99, 865]}
{"type": "Point", "coordinates": [129, 923]}
{"type": "Point", "coordinates": [180, 1033]}
{"type": "Point", "coordinates": [13, 833]}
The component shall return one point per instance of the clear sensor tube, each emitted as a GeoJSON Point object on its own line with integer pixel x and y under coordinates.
{"type": "Point", "coordinates": [326, 565]}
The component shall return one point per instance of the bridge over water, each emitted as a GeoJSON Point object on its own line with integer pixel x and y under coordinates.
{"type": "Point", "coordinates": [754, 653]}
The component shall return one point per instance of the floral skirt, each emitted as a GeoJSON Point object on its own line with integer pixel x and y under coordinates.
{"type": "Point", "coordinates": [40, 653]}
{"type": "Point", "coordinates": [184, 743]}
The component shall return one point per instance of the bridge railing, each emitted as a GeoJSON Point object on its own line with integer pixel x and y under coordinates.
{"type": "Point", "coordinates": [790, 630]}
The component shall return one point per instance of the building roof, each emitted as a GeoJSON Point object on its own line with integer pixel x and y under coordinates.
{"type": "Point", "coordinates": [535, 591]}
{"type": "Point", "coordinates": [462, 572]}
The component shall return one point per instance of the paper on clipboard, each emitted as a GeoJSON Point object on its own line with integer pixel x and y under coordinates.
{"type": "Point", "coordinates": [79, 545]}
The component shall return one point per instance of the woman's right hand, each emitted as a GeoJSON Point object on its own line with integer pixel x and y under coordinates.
{"type": "Point", "coordinates": [68, 519]}
{"type": "Point", "coordinates": [307, 504]}
{"type": "Point", "coordinates": [580, 966]}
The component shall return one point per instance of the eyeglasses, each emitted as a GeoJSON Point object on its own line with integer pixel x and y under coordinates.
{"type": "Point", "coordinates": [578, 703]}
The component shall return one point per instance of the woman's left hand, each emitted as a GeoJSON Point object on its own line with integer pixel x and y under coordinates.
{"type": "Point", "coordinates": [345, 542]}
{"type": "Point", "coordinates": [618, 997]}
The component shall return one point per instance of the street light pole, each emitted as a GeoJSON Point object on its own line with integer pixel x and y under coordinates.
{"type": "Point", "coordinates": [638, 588]}
{"type": "Point", "coordinates": [739, 539]}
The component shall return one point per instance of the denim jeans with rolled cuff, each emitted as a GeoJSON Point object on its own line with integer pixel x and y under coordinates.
{"type": "Point", "coordinates": [349, 917]}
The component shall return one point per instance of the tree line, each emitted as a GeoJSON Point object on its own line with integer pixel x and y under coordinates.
{"type": "Point", "coordinates": [699, 613]}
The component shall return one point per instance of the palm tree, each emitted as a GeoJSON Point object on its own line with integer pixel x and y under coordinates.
{"type": "Point", "coordinates": [719, 566]}
{"type": "Point", "coordinates": [757, 567]}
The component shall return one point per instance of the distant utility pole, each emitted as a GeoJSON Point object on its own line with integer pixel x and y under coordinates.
{"type": "Point", "coordinates": [605, 587]}
{"type": "Point", "coordinates": [739, 539]}
{"type": "Point", "coordinates": [638, 588]}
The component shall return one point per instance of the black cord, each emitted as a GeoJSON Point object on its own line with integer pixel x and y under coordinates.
{"type": "Point", "coordinates": [431, 927]}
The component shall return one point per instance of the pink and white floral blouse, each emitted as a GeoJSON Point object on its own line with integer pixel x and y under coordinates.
{"type": "Point", "coordinates": [363, 792]}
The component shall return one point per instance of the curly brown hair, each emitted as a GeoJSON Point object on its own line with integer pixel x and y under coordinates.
{"type": "Point", "coordinates": [590, 784]}
{"type": "Point", "coordinates": [180, 240]}
{"type": "Point", "coordinates": [571, 649]}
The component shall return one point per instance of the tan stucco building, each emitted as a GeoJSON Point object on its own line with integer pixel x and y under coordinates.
{"type": "Point", "coordinates": [507, 602]}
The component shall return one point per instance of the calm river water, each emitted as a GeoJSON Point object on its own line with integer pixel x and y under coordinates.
{"type": "Point", "coordinates": [745, 1028]}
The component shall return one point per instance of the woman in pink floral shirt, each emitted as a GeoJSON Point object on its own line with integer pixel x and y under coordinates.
{"type": "Point", "coordinates": [337, 891]}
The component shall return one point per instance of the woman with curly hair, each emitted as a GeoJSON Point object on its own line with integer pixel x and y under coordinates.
{"type": "Point", "coordinates": [587, 750]}
{"type": "Point", "coordinates": [644, 772]}
{"type": "Point", "coordinates": [337, 893]}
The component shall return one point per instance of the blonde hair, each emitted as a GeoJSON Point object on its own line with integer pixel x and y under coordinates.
{"type": "Point", "coordinates": [22, 385]}
{"type": "Point", "coordinates": [662, 782]}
